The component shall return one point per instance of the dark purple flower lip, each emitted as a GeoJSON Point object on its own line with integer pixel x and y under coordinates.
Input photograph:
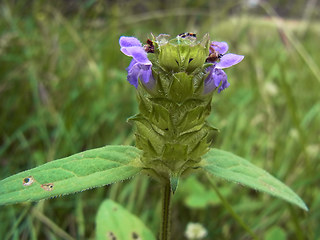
{"type": "Point", "coordinates": [149, 47]}
{"type": "Point", "coordinates": [140, 66]}
{"type": "Point", "coordinates": [220, 59]}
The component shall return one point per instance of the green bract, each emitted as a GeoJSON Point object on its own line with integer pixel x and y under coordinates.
{"type": "Point", "coordinates": [182, 54]}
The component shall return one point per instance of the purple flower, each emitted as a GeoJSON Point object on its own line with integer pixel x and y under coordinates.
{"type": "Point", "coordinates": [217, 77]}
{"type": "Point", "coordinates": [140, 66]}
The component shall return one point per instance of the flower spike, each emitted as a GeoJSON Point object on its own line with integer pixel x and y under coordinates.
{"type": "Point", "coordinates": [175, 80]}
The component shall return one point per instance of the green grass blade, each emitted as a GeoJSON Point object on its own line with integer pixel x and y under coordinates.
{"type": "Point", "coordinates": [79, 172]}
{"type": "Point", "coordinates": [115, 222]}
{"type": "Point", "coordinates": [233, 168]}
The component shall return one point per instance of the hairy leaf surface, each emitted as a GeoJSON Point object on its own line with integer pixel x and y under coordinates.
{"type": "Point", "coordinates": [79, 172]}
{"type": "Point", "coordinates": [233, 168]}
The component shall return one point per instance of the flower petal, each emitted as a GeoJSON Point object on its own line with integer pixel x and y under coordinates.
{"type": "Point", "coordinates": [229, 60]}
{"type": "Point", "coordinates": [220, 78]}
{"type": "Point", "coordinates": [209, 84]}
{"type": "Point", "coordinates": [145, 73]}
{"type": "Point", "coordinates": [216, 78]}
{"type": "Point", "coordinates": [132, 63]}
{"type": "Point", "coordinates": [146, 76]}
{"type": "Point", "coordinates": [220, 47]}
{"type": "Point", "coordinates": [133, 74]}
{"type": "Point", "coordinates": [137, 53]}
{"type": "Point", "coordinates": [129, 42]}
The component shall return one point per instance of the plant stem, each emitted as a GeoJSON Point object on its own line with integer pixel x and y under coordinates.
{"type": "Point", "coordinates": [166, 214]}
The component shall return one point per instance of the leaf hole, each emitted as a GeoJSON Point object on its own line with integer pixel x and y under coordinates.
{"type": "Point", "coordinates": [28, 181]}
{"type": "Point", "coordinates": [47, 186]}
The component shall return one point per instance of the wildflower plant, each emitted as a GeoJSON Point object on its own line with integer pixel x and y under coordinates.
{"type": "Point", "coordinates": [175, 79]}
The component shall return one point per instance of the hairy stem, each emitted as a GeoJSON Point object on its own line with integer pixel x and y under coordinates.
{"type": "Point", "coordinates": [166, 214]}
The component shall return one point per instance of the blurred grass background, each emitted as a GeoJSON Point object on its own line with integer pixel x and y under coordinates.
{"type": "Point", "coordinates": [63, 89]}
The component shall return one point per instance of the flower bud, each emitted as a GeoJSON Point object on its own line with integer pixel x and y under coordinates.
{"type": "Point", "coordinates": [183, 54]}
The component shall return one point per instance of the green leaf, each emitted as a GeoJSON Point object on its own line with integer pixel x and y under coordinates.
{"type": "Point", "coordinates": [115, 222]}
{"type": "Point", "coordinates": [198, 196]}
{"type": "Point", "coordinates": [233, 168]}
{"type": "Point", "coordinates": [79, 172]}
